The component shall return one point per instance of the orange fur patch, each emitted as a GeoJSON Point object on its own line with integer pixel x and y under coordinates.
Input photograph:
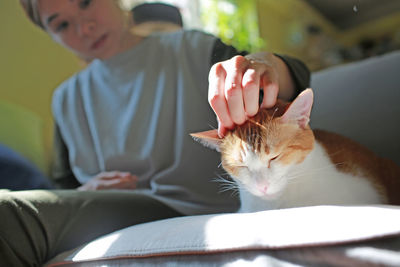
{"type": "Point", "coordinates": [267, 136]}
{"type": "Point", "coordinates": [351, 157]}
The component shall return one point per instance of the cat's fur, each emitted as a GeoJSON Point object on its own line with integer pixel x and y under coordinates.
{"type": "Point", "coordinates": [277, 161]}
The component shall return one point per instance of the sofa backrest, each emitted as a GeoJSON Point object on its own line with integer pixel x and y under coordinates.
{"type": "Point", "coordinates": [361, 100]}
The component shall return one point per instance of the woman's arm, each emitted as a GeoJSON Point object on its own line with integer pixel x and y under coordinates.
{"type": "Point", "coordinates": [61, 173]}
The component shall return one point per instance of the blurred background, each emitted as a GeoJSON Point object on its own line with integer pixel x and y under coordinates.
{"type": "Point", "coordinates": [322, 33]}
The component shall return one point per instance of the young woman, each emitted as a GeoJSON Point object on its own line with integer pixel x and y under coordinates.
{"type": "Point", "coordinates": [124, 123]}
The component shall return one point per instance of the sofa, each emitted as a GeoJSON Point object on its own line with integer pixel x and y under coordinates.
{"type": "Point", "coordinates": [359, 100]}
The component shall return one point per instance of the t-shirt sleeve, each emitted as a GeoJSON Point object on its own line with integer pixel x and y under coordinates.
{"type": "Point", "coordinates": [298, 70]}
{"type": "Point", "coordinates": [222, 52]}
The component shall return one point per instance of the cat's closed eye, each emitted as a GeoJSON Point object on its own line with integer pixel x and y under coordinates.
{"type": "Point", "coordinates": [272, 159]}
{"type": "Point", "coordinates": [242, 166]}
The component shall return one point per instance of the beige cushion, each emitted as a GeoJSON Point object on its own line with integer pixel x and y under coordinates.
{"type": "Point", "coordinates": [191, 237]}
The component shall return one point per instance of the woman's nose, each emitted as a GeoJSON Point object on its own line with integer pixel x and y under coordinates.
{"type": "Point", "coordinates": [86, 28]}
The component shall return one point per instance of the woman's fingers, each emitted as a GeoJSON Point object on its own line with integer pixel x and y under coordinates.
{"type": "Point", "coordinates": [216, 95]}
{"type": "Point", "coordinates": [221, 129]}
{"type": "Point", "coordinates": [269, 84]}
{"type": "Point", "coordinates": [111, 180]}
{"type": "Point", "coordinates": [234, 88]}
{"type": "Point", "coordinates": [120, 182]}
{"type": "Point", "coordinates": [251, 91]}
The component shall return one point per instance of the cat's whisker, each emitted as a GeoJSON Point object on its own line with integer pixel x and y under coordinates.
{"type": "Point", "coordinates": [273, 114]}
{"type": "Point", "coordinates": [212, 127]}
{"type": "Point", "coordinates": [220, 178]}
{"type": "Point", "coordinates": [257, 123]}
{"type": "Point", "coordinates": [227, 185]}
{"type": "Point", "coordinates": [270, 120]}
{"type": "Point", "coordinates": [224, 173]}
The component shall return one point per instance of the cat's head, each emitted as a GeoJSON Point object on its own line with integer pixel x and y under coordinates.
{"type": "Point", "coordinates": [259, 153]}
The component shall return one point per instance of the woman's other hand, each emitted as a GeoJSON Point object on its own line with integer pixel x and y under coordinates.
{"type": "Point", "coordinates": [110, 180]}
{"type": "Point", "coordinates": [234, 87]}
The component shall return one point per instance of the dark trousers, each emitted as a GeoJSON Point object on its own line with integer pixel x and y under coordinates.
{"type": "Point", "coordinates": [36, 225]}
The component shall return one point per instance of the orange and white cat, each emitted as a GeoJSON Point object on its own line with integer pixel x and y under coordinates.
{"type": "Point", "coordinates": [278, 162]}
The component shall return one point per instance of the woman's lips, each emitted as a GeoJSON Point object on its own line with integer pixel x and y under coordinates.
{"type": "Point", "coordinates": [100, 42]}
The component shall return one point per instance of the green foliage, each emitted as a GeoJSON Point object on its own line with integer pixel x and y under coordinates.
{"type": "Point", "coordinates": [235, 22]}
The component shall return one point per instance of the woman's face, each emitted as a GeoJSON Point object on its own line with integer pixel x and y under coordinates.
{"type": "Point", "coordinates": [89, 28]}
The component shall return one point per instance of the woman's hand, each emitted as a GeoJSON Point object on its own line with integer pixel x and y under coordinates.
{"type": "Point", "coordinates": [234, 87]}
{"type": "Point", "coordinates": [110, 180]}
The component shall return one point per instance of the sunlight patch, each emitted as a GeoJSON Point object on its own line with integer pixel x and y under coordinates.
{"type": "Point", "coordinates": [97, 248]}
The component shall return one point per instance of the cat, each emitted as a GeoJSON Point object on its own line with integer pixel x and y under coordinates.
{"type": "Point", "coordinates": [278, 161]}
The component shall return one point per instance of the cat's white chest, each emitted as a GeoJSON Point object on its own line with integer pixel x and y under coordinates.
{"type": "Point", "coordinates": [315, 181]}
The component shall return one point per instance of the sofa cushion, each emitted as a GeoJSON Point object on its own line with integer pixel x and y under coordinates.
{"type": "Point", "coordinates": [361, 100]}
{"type": "Point", "coordinates": [289, 235]}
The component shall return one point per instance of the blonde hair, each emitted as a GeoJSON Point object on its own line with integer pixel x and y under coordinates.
{"type": "Point", "coordinates": [31, 10]}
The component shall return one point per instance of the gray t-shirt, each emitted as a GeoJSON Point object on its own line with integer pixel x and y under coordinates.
{"type": "Point", "coordinates": [134, 112]}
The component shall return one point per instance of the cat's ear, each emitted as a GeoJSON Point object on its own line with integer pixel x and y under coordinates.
{"type": "Point", "coordinates": [208, 138]}
{"type": "Point", "coordinates": [300, 109]}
